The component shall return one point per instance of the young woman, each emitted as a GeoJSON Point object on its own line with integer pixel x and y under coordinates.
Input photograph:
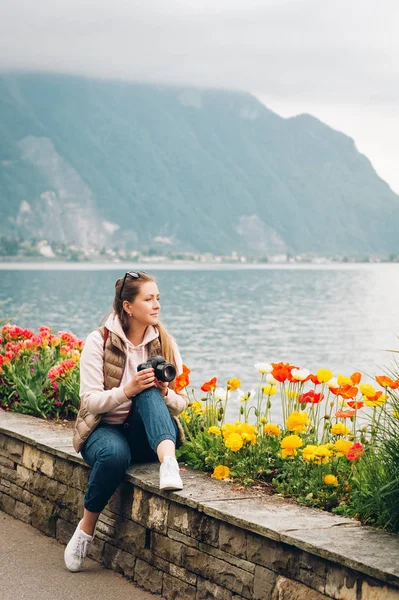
{"type": "Point", "coordinates": [125, 414]}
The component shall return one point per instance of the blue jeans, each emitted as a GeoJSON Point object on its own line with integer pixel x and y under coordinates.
{"type": "Point", "coordinates": [110, 448]}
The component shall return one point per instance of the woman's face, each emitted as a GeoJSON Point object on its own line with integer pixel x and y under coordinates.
{"type": "Point", "coordinates": [145, 308]}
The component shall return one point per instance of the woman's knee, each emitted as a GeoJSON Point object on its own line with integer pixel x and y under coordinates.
{"type": "Point", "coordinates": [115, 457]}
{"type": "Point", "coordinates": [151, 394]}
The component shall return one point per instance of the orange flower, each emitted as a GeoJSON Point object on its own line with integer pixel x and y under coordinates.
{"type": "Point", "coordinates": [354, 404]}
{"type": "Point", "coordinates": [356, 378]}
{"type": "Point", "coordinates": [347, 391]}
{"type": "Point", "coordinates": [355, 452]}
{"type": "Point", "coordinates": [210, 385]}
{"type": "Point", "coordinates": [282, 371]}
{"type": "Point", "coordinates": [385, 381]}
{"type": "Point", "coordinates": [314, 379]}
{"type": "Point", "coordinates": [233, 384]}
{"type": "Point", "coordinates": [182, 380]}
{"type": "Point", "coordinates": [345, 414]}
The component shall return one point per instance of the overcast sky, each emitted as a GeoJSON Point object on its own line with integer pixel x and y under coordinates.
{"type": "Point", "coordinates": [336, 59]}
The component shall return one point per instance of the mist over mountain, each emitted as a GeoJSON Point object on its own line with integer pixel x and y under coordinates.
{"type": "Point", "coordinates": [104, 163]}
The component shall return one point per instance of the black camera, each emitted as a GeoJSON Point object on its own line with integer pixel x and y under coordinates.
{"type": "Point", "coordinates": [164, 371]}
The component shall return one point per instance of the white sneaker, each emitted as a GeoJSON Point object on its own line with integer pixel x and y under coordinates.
{"type": "Point", "coordinates": [76, 550]}
{"type": "Point", "coordinates": [169, 477]}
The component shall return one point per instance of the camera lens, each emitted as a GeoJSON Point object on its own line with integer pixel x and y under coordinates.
{"type": "Point", "coordinates": [169, 373]}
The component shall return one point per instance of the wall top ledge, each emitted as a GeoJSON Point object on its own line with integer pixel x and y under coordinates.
{"type": "Point", "coordinates": [344, 541]}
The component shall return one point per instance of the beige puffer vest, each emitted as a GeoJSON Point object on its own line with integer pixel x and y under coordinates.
{"type": "Point", "coordinates": [114, 366]}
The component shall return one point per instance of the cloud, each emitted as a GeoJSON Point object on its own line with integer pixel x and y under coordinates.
{"type": "Point", "coordinates": [313, 52]}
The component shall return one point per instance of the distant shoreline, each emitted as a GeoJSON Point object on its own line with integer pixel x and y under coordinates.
{"type": "Point", "coordinates": [179, 265]}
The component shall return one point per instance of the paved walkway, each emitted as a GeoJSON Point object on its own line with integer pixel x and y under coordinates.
{"type": "Point", "coordinates": [32, 568]}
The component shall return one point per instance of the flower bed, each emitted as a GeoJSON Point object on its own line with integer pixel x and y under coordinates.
{"type": "Point", "coordinates": [335, 444]}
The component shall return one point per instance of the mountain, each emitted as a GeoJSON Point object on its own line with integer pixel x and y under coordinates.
{"type": "Point", "coordinates": [99, 163]}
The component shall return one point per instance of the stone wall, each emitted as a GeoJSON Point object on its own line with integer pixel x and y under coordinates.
{"type": "Point", "coordinates": [202, 543]}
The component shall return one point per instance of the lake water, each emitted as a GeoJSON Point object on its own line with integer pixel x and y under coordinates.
{"type": "Point", "coordinates": [226, 318]}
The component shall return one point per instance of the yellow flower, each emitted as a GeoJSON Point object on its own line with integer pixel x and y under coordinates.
{"type": "Point", "coordinates": [247, 431]}
{"type": "Point", "coordinates": [322, 455]}
{"type": "Point", "coordinates": [342, 447]}
{"type": "Point", "coordinates": [292, 394]}
{"type": "Point", "coordinates": [233, 384]}
{"type": "Point", "coordinates": [342, 380]}
{"type": "Point", "coordinates": [196, 407]}
{"type": "Point", "coordinates": [367, 390]}
{"type": "Point", "coordinates": [272, 430]}
{"type": "Point", "coordinates": [291, 442]}
{"type": "Point", "coordinates": [269, 390]}
{"type": "Point", "coordinates": [221, 472]}
{"type": "Point", "coordinates": [395, 413]}
{"type": "Point", "coordinates": [263, 420]}
{"type": "Point", "coordinates": [377, 402]}
{"type": "Point", "coordinates": [185, 416]}
{"type": "Point", "coordinates": [227, 430]}
{"type": "Point", "coordinates": [330, 480]}
{"type": "Point", "coordinates": [215, 430]}
{"type": "Point", "coordinates": [298, 421]}
{"type": "Point", "coordinates": [288, 452]}
{"type": "Point", "coordinates": [340, 429]}
{"type": "Point", "coordinates": [234, 442]}
{"type": "Point", "coordinates": [324, 375]}
{"type": "Point", "coordinates": [308, 452]}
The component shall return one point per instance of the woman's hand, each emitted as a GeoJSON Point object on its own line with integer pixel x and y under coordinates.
{"type": "Point", "coordinates": [141, 381]}
{"type": "Point", "coordinates": [162, 386]}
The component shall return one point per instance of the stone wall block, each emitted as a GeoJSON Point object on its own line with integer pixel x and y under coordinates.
{"type": "Point", "coordinates": [205, 529]}
{"type": "Point", "coordinates": [167, 548]}
{"type": "Point", "coordinates": [148, 577]}
{"type": "Point", "coordinates": [44, 516]}
{"type": "Point", "coordinates": [7, 504]}
{"type": "Point", "coordinates": [181, 537]}
{"type": "Point", "coordinates": [68, 515]}
{"type": "Point", "coordinates": [218, 571]}
{"type": "Point", "coordinates": [264, 583]}
{"type": "Point", "coordinates": [64, 530]}
{"type": "Point", "coordinates": [24, 476]}
{"type": "Point", "coordinates": [129, 536]}
{"type": "Point", "coordinates": [5, 486]}
{"type": "Point", "coordinates": [20, 494]}
{"type": "Point", "coordinates": [182, 574]}
{"type": "Point", "coordinates": [180, 518]}
{"type": "Point", "coordinates": [311, 570]}
{"type": "Point", "coordinates": [80, 477]}
{"type": "Point", "coordinates": [225, 556]}
{"type": "Point", "coordinates": [105, 529]}
{"type": "Point", "coordinates": [22, 512]}
{"type": "Point", "coordinates": [341, 583]}
{"type": "Point", "coordinates": [118, 560]}
{"type": "Point", "coordinates": [122, 500]}
{"type": "Point", "coordinates": [206, 590]}
{"type": "Point", "coordinates": [288, 589]}
{"type": "Point", "coordinates": [376, 592]}
{"type": "Point", "coordinates": [9, 474]}
{"type": "Point", "coordinates": [233, 540]}
{"type": "Point", "coordinates": [270, 554]}
{"type": "Point", "coordinates": [15, 448]}
{"type": "Point", "coordinates": [63, 471]}
{"type": "Point", "coordinates": [140, 506]}
{"type": "Point", "coordinates": [176, 589]}
{"type": "Point", "coordinates": [96, 549]}
{"type": "Point", "coordinates": [158, 514]}
{"type": "Point", "coordinates": [35, 460]}
{"type": "Point", "coordinates": [7, 462]}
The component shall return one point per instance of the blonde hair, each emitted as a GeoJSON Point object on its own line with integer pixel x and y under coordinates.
{"type": "Point", "coordinates": [130, 291]}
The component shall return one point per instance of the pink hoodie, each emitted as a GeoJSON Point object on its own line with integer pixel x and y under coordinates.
{"type": "Point", "coordinates": [114, 404]}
